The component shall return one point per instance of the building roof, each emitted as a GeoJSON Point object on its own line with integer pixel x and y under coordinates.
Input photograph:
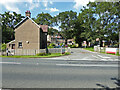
{"type": "Point", "coordinates": [43, 27]}
{"type": "Point", "coordinates": [24, 20]}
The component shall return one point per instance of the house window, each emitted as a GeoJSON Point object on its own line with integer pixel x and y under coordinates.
{"type": "Point", "coordinates": [19, 44]}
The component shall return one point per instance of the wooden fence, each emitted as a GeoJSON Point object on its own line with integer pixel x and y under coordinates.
{"type": "Point", "coordinates": [34, 51]}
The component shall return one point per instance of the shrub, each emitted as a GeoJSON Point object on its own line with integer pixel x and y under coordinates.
{"type": "Point", "coordinates": [70, 46]}
{"type": "Point", "coordinates": [67, 53]}
{"type": "Point", "coordinates": [52, 45]}
{"type": "Point", "coordinates": [3, 47]}
{"type": "Point", "coordinates": [61, 44]}
{"type": "Point", "coordinates": [43, 54]}
{"type": "Point", "coordinates": [73, 46]}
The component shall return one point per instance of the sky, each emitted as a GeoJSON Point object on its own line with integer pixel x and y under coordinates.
{"type": "Point", "coordinates": [53, 7]}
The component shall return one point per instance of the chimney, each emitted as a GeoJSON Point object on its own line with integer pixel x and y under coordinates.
{"type": "Point", "coordinates": [27, 13]}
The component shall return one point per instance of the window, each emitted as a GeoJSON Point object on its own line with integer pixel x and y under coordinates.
{"type": "Point", "coordinates": [19, 44]}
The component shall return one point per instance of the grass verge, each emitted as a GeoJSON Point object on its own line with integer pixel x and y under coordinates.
{"type": "Point", "coordinates": [35, 56]}
{"type": "Point", "coordinates": [92, 49]}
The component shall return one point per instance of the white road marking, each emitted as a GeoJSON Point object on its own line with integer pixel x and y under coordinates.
{"type": "Point", "coordinates": [10, 63]}
{"type": "Point", "coordinates": [103, 57]}
{"type": "Point", "coordinates": [88, 65]}
{"type": "Point", "coordinates": [116, 59]}
{"type": "Point", "coordinates": [95, 56]}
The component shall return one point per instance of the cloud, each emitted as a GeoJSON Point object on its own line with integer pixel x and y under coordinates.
{"type": "Point", "coordinates": [80, 3]}
{"type": "Point", "coordinates": [11, 7]}
{"type": "Point", "coordinates": [52, 9]}
{"type": "Point", "coordinates": [45, 3]}
{"type": "Point", "coordinates": [51, 2]}
{"type": "Point", "coordinates": [33, 5]}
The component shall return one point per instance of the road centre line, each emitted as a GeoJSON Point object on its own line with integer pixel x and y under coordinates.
{"type": "Point", "coordinates": [87, 65]}
{"type": "Point", "coordinates": [10, 63]}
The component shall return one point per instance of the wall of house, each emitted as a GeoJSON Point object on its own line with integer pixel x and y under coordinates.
{"type": "Point", "coordinates": [27, 31]}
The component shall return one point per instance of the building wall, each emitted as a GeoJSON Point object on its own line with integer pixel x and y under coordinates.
{"type": "Point", "coordinates": [27, 31]}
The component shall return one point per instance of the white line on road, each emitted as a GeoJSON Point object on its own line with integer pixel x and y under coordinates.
{"type": "Point", "coordinates": [87, 65]}
{"type": "Point", "coordinates": [95, 56]}
{"type": "Point", "coordinates": [103, 57]}
{"type": "Point", "coordinates": [10, 63]}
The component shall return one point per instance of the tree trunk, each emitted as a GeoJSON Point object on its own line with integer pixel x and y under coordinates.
{"type": "Point", "coordinates": [65, 41]}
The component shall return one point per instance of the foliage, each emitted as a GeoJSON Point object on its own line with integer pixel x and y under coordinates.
{"type": "Point", "coordinates": [52, 45]}
{"type": "Point", "coordinates": [67, 53]}
{"type": "Point", "coordinates": [43, 54]}
{"type": "Point", "coordinates": [66, 20]}
{"type": "Point", "coordinates": [61, 44]}
{"type": "Point", "coordinates": [35, 56]}
{"type": "Point", "coordinates": [44, 19]}
{"type": "Point", "coordinates": [52, 31]}
{"type": "Point", "coordinates": [3, 47]}
{"type": "Point", "coordinates": [98, 20]}
{"type": "Point", "coordinates": [8, 21]}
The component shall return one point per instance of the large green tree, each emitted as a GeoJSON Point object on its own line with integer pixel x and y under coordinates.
{"type": "Point", "coordinates": [98, 20]}
{"type": "Point", "coordinates": [66, 21]}
{"type": "Point", "coordinates": [8, 21]}
{"type": "Point", "coordinates": [44, 19]}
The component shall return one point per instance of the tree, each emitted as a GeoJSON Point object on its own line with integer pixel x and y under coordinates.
{"type": "Point", "coordinates": [52, 31]}
{"type": "Point", "coordinates": [66, 21]}
{"type": "Point", "coordinates": [98, 20]}
{"type": "Point", "coordinates": [44, 19]}
{"type": "Point", "coordinates": [8, 22]}
{"type": "Point", "coordinates": [106, 23]}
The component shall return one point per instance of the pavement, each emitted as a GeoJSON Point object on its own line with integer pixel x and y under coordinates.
{"type": "Point", "coordinates": [81, 69]}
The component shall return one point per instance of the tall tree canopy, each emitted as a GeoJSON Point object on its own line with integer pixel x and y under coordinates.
{"type": "Point", "coordinates": [8, 21]}
{"type": "Point", "coordinates": [66, 21]}
{"type": "Point", "coordinates": [44, 19]}
{"type": "Point", "coordinates": [98, 20]}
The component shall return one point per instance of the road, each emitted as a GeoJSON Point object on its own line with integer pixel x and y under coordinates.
{"type": "Point", "coordinates": [81, 69]}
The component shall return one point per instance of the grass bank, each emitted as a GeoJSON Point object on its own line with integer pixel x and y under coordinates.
{"type": "Point", "coordinates": [92, 49]}
{"type": "Point", "coordinates": [36, 56]}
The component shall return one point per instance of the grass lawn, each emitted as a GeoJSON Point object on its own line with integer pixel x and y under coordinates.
{"type": "Point", "coordinates": [92, 49]}
{"type": "Point", "coordinates": [35, 56]}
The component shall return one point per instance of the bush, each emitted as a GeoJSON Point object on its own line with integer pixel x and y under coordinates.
{"type": "Point", "coordinates": [67, 53]}
{"type": "Point", "coordinates": [43, 54]}
{"type": "Point", "coordinates": [61, 44]}
{"type": "Point", "coordinates": [52, 45]}
{"type": "Point", "coordinates": [3, 47]}
{"type": "Point", "coordinates": [70, 46]}
{"type": "Point", "coordinates": [73, 46]}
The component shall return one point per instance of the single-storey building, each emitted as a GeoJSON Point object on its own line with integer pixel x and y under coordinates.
{"type": "Point", "coordinates": [29, 35]}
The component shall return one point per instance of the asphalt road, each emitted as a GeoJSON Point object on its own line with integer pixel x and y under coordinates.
{"type": "Point", "coordinates": [81, 69]}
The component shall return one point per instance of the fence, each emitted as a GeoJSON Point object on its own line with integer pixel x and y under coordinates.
{"type": "Point", "coordinates": [106, 49]}
{"type": "Point", "coordinates": [34, 51]}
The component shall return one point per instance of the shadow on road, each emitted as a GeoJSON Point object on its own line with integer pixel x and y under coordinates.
{"type": "Point", "coordinates": [116, 81]}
